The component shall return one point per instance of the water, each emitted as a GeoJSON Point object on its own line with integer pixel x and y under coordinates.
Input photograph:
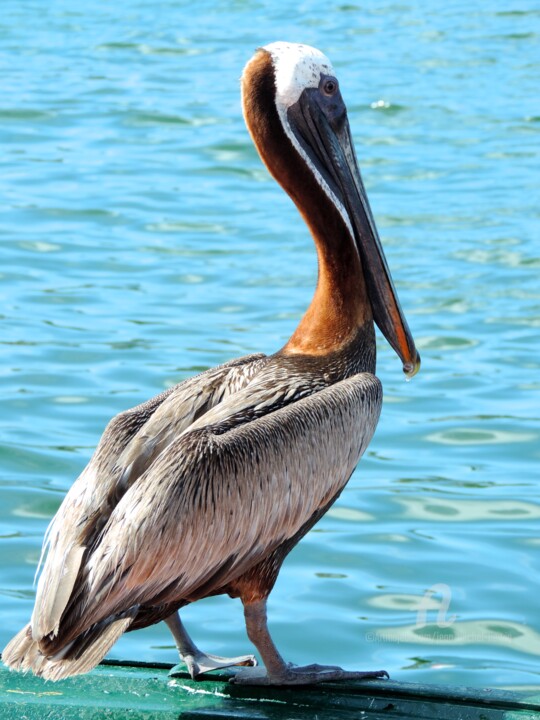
{"type": "Point", "coordinates": [142, 241]}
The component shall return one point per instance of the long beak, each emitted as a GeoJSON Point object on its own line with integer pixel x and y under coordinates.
{"type": "Point", "coordinates": [322, 129]}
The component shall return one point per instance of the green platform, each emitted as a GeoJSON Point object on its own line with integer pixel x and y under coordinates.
{"type": "Point", "coordinates": [135, 690]}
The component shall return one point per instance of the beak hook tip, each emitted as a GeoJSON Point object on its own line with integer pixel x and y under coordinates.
{"type": "Point", "coordinates": [411, 368]}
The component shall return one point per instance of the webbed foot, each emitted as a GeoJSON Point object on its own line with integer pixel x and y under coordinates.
{"type": "Point", "coordinates": [306, 675]}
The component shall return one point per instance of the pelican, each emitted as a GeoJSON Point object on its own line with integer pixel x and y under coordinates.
{"type": "Point", "coordinates": [205, 488]}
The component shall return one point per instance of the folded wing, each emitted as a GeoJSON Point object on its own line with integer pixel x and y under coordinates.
{"type": "Point", "coordinates": [129, 445]}
{"type": "Point", "coordinates": [213, 504]}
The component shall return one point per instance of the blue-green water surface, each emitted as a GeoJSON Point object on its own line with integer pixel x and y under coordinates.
{"type": "Point", "coordinates": [143, 241]}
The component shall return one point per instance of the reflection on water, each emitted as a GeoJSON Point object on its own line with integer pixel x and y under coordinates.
{"type": "Point", "coordinates": [396, 601]}
{"type": "Point", "coordinates": [500, 633]}
{"type": "Point", "coordinates": [343, 513]}
{"type": "Point", "coordinates": [474, 436]}
{"type": "Point", "coordinates": [143, 241]}
{"type": "Point", "coordinates": [456, 510]}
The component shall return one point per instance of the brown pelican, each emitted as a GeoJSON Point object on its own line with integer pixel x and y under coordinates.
{"type": "Point", "coordinates": [206, 488]}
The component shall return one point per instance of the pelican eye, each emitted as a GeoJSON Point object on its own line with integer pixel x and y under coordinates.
{"type": "Point", "coordinates": [330, 86]}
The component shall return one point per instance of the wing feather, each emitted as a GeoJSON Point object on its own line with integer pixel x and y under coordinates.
{"type": "Point", "coordinates": [127, 448]}
{"type": "Point", "coordinates": [225, 498]}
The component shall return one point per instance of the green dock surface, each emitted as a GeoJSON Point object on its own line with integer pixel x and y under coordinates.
{"type": "Point", "coordinates": [137, 690]}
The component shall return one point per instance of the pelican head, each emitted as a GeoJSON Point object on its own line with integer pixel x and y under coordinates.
{"type": "Point", "coordinates": [295, 86]}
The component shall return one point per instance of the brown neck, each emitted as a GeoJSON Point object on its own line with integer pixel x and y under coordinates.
{"type": "Point", "coordinates": [340, 305]}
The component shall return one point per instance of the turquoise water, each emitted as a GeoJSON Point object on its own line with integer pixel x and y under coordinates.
{"type": "Point", "coordinates": [142, 241]}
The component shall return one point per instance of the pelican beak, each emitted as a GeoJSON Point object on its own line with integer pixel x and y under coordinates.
{"type": "Point", "coordinates": [319, 122]}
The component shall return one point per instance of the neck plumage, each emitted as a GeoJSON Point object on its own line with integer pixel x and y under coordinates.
{"type": "Point", "coordinates": [340, 308]}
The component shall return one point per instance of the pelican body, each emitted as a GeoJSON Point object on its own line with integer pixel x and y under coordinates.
{"type": "Point", "coordinates": [205, 489]}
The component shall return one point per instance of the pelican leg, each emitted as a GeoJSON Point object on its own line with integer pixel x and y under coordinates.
{"type": "Point", "coordinates": [278, 672]}
{"type": "Point", "coordinates": [198, 662]}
